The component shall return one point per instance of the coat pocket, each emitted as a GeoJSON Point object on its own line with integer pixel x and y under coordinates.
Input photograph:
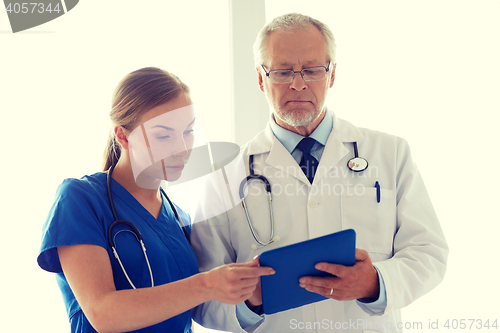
{"type": "Point", "coordinates": [374, 222]}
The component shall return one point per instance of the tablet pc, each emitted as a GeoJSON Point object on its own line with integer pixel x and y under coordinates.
{"type": "Point", "coordinates": [281, 291]}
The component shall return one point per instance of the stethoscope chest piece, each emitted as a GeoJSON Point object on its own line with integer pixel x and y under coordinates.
{"type": "Point", "coordinates": [357, 164]}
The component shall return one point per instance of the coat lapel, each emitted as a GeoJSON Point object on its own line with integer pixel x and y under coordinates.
{"type": "Point", "coordinates": [335, 149]}
{"type": "Point", "coordinates": [278, 156]}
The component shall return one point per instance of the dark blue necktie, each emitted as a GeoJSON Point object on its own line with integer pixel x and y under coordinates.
{"type": "Point", "coordinates": [308, 163]}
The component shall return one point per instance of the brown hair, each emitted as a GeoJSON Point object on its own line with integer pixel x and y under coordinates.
{"type": "Point", "coordinates": [137, 93]}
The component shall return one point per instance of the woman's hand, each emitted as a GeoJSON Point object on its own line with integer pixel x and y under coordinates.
{"type": "Point", "coordinates": [235, 283]}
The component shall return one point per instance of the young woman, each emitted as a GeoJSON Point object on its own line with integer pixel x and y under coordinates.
{"type": "Point", "coordinates": [148, 291]}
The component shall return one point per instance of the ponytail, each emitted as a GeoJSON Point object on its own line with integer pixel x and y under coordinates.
{"type": "Point", "coordinates": [111, 153]}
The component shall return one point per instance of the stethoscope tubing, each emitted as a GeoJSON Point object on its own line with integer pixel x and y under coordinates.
{"type": "Point", "coordinates": [134, 231]}
{"type": "Point", "coordinates": [261, 178]}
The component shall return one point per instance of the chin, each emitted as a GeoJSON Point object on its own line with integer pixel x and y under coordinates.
{"type": "Point", "coordinates": [173, 177]}
{"type": "Point", "coordinates": [298, 118]}
{"type": "Point", "coordinates": [152, 176]}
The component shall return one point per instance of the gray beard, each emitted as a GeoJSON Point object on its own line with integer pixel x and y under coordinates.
{"type": "Point", "coordinates": [293, 120]}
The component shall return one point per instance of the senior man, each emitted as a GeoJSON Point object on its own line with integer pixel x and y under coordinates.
{"type": "Point", "coordinates": [307, 153]}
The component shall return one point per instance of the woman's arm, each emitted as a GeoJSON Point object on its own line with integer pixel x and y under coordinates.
{"type": "Point", "coordinates": [88, 271]}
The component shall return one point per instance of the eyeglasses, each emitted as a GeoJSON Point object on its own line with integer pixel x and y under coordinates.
{"type": "Point", "coordinates": [282, 76]}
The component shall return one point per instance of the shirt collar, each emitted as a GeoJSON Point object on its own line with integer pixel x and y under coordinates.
{"type": "Point", "coordinates": [291, 139]}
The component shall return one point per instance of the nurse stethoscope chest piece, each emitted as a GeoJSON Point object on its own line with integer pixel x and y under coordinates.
{"type": "Point", "coordinates": [134, 231]}
{"type": "Point", "coordinates": [357, 164]}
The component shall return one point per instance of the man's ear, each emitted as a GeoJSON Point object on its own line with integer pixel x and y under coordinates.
{"type": "Point", "coordinates": [261, 79]}
{"type": "Point", "coordinates": [332, 77]}
{"type": "Point", "coordinates": [121, 137]}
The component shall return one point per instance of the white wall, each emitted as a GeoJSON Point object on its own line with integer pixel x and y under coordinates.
{"type": "Point", "coordinates": [429, 71]}
{"type": "Point", "coordinates": [56, 82]}
{"type": "Point", "coordinates": [425, 70]}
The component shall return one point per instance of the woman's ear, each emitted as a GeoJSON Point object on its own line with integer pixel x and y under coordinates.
{"type": "Point", "coordinates": [121, 137]}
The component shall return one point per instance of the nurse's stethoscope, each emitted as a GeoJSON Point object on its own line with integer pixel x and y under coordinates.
{"type": "Point", "coordinates": [134, 231]}
{"type": "Point", "coordinates": [356, 164]}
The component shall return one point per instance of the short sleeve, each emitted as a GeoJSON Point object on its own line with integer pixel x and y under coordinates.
{"type": "Point", "coordinates": [75, 218]}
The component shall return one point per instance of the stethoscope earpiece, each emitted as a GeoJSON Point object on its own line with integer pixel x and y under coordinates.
{"type": "Point", "coordinates": [274, 239]}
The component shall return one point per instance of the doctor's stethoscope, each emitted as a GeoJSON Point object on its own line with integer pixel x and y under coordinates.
{"type": "Point", "coordinates": [134, 231]}
{"type": "Point", "coordinates": [356, 164]}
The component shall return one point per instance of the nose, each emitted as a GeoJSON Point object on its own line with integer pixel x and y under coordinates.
{"type": "Point", "coordinates": [180, 148]}
{"type": "Point", "coordinates": [298, 83]}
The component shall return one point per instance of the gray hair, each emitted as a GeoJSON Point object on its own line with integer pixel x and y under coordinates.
{"type": "Point", "coordinates": [291, 22]}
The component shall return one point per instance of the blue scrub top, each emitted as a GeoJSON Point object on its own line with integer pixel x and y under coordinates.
{"type": "Point", "coordinates": [81, 214]}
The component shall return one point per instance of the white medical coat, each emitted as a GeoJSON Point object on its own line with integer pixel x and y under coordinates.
{"type": "Point", "coordinates": [401, 233]}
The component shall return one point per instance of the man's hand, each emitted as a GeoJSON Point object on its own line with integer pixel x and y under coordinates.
{"type": "Point", "coordinates": [347, 282]}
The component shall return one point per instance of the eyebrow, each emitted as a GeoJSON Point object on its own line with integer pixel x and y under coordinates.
{"type": "Point", "coordinates": [306, 64]}
{"type": "Point", "coordinates": [172, 129]}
